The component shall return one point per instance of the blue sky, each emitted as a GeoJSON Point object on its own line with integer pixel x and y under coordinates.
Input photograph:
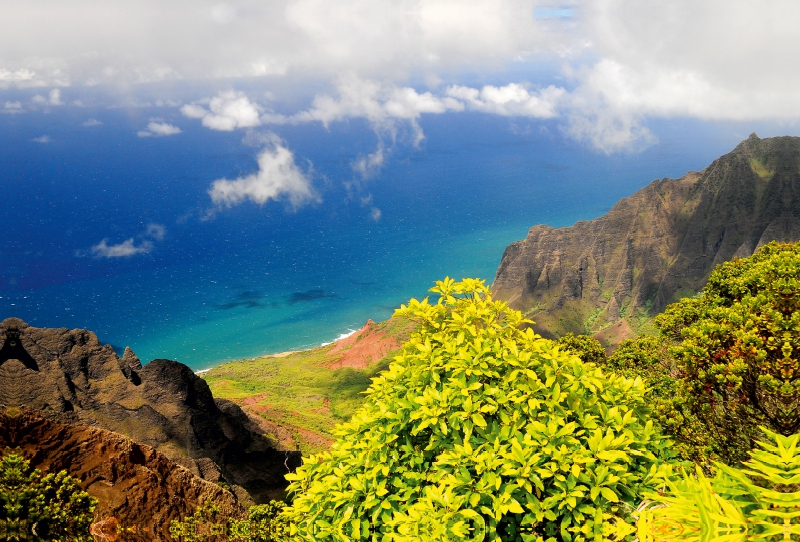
{"type": "Point", "coordinates": [601, 72]}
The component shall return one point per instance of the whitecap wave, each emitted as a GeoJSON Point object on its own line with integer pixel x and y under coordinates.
{"type": "Point", "coordinates": [340, 337]}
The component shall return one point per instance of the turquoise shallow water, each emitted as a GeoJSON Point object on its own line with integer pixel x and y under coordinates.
{"type": "Point", "coordinates": [264, 279]}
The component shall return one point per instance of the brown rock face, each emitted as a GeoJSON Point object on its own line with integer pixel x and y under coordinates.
{"type": "Point", "coordinates": [70, 378]}
{"type": "Point", "coordinates": [134, 484]}
{"type": "Point", "coordinates": [657, 245]}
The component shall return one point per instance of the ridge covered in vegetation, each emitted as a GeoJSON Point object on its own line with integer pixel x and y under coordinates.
{"type": "Point", "coordinates": [482, 430]}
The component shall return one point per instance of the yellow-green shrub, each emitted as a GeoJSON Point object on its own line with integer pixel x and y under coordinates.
{"type": "Point", "coordinates": [481, 429]}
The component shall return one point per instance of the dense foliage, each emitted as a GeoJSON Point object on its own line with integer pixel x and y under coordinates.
{"type": "Point", "coordinates": [585, 347]}
{"type": "Point", "coordinates": [669, 396]}
{"type": "Point", "coordinates": [758, 502]}
{"type": "Point", "coordinates": [264, 523]}
{"type": "Point", "coordinates": [738, 349]}
{"type": "Point", "coordinates": [51, 507]}
{"type": "Point", "coordinates": [482, 429]}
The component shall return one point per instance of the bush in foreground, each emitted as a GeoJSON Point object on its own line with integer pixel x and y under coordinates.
{"type": "Point", "coordinates": [481, 428]}
{"type": "Point", "coordinates": [757, 503]}
{"type": "Point", "coordinates": [738, 349]}
{"type": "Point", "coordinates": [50, 507]}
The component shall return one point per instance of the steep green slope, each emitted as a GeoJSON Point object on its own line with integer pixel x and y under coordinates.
{"type": "Point", "coordinates": [657, 245]}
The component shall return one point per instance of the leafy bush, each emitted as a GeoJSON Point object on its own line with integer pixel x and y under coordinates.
{"type": "Point", "coordinates": [51, 507]}
{"type": "Point", "coordinates": [479, 427]}
{"type": "Point", "coordinates": [649, 358]}
{"type": "Point", "coordinates": [739, 348]}
{"type": "Point", "coordinates": [585, 347]}
{"type": "Point", "coordinates": [264, 523]}
{"type": "Point", "coordinates": [756, 503]}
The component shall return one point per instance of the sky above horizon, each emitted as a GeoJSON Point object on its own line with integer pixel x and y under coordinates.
{"type": "Point", "coordinates": [600, 71]}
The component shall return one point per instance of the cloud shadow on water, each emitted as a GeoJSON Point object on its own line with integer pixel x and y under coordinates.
{"type": "Point", "coordinates": [309, 295]}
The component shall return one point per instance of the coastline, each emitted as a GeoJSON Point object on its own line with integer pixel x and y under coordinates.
{"type": "Point", "coordinates": [282, 354]}
{"type": "Point", "coordinates": [278, 355]}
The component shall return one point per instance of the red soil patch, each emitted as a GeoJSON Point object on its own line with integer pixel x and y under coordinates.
{"type": "Point", "coordinates": [361, 349]}
{"type": "Point", "coordinates": [254, 399]}
{"type": "Point", "coordinates": [611, 336]}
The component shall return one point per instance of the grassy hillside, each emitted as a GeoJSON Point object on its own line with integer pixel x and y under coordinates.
{"type": "Point", "coordinates": [299, 397]}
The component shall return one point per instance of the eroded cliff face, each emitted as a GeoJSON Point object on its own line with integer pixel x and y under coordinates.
{"type": "Point", "coordinates": [70, 378]}
{"type": "Point", "coordinates": [137, 487]}
{"type": "Point", "coordinates": [657, 245]}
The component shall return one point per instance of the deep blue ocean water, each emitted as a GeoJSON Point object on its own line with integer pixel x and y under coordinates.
{"type": "Point", "coordinates": [263, 279]}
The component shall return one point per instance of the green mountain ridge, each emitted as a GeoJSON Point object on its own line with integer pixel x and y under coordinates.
{"type": "Point", "coordinates": [657, 245]}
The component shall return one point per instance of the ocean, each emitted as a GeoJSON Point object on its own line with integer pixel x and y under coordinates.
{"type": "Point", "coordinates": [254, 280]}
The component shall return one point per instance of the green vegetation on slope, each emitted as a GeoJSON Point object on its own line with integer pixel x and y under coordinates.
{"type": "Point", "coordinates": [299, 392]}
{"type": "Point", "coordinates": [482, 426]}
{"type": "Point", "coordinates": [481, 429]}
{"type": "Point", "coordinates": [737, 349]}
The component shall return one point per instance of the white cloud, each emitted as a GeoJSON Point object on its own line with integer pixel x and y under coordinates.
{"type": "Point", "coordinates": [158, 129]}
{"type": "Point", "coordinates": [42, 139]}
{"type": "Point", "coordinates": [510, 100]}
{"type": "Point", "coordinates": [619, 63]}
{"type": "Point", "coordinates": [368, 166]}
{"type": "Point", "coordinates": [54, 98]}
{"type": "Point", "coordinates": [129, 247]}
{"type": "Point", "coordinates": [12, 108]}
{"type": "Point", "coordinates": [278, 176]}
{"type": "Point", "coordinates": [122, 250]}
{"type": "Point", "coordinates": [155, 231]}
{"type": "Point", "coordinates": [375, 214]}
{"type": "Point", "coordinates": [91, 122]}
{"type": "Point", "coordinates": [20, 77]}
{"type": "Point", "coordinates": [374, 101]}
{"type": "Point", "coordinates": [85, 42]}
{"type": "Point", "coordinates": [228, 110]}
{"type": "Point", "coordinates": [609, 132]}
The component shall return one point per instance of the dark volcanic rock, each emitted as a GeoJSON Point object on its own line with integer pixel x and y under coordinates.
{"type": "Point", "coordinates": [134, 484]}
{"type": "Point", "coordinates": [657, 245]}
{"type": "Point", "coordinates": [71, 378]}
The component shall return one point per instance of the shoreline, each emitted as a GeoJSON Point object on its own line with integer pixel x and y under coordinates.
{"type": "Point", "coordinates": [278, 355]}
{"type": "Point", "coordinates": [283, 354]}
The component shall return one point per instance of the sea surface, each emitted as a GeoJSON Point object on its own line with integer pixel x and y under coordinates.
{"type": "Point", "coordinates": [250, 280]}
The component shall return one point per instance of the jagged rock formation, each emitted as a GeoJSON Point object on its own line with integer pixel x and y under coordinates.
{"type": "Point", "coordinates": [70, 378]}
{"type": "Point", "coordinates": [135, 485]}
{"type": "Point", "coordinates": [657, 245]}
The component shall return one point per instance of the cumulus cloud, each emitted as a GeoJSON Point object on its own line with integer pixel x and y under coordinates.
{"type": "Point", "coordinates": [159, 129]}
{"type": "Point", "coordinates": [510, 100]}
{"type": "Point", "coordinates": [368, 166]}
{"type": "Point", "coordinates": [611, 64]}
{"type": "Point", "coordinates": [91, 122]}
{"type": "Point", "coordinates": [12, 108]}
{"type": "Point", "coordinates": [141, 244]}
{"type": "Point", "coordinates": [53, 98]}
{"type": "Point", "coordinates": [42, 139]}
{"type": "Point", "coordinates": [122, 250]}
{"type": "Point", "coordinates": [85, 42]}
{"type": "Point", "coordinates": [378, 102]}
{"type": "Point", "coordinates": [278, 177]}
{"type": "Point", "coordinates": [226, 111]}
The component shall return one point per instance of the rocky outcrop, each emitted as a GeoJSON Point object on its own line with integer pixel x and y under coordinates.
{"type": "Point", "coordinates": [657, 245]}
{"type": "Point", "coordinates": [136, 487]}
{"type": "Point", "coordinates": [71, 378]}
